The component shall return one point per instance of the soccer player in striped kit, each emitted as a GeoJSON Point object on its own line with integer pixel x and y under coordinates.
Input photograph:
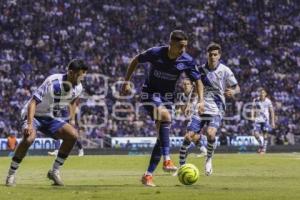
{"type": "Point", "coordinates": [189, 100]}
{"type": "Point", "coordinates": [218, 81]}
{"type": "Point", "coordinates": [262, 110]}
{"type": "Point", "coordinates": [47, 111]}
{"type": "Point", "coordinates": [167, 64]}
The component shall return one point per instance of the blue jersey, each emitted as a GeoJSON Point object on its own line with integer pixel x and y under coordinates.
{"type": "Point", "coordinates": [164, 72]}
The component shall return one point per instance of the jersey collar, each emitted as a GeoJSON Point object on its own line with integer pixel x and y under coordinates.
{"type": "Point", "coordinates": [207, 67]}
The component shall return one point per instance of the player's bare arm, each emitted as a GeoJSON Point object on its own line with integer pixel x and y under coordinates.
{"type": "Point", "coordinates": [272, 113]}
{"type": "Point", "coordinates": [31, 111]}
{"type": "Point", "coordinates": [200, 89]}
{"type": "Point", "coordinates": [126, 88]}
{"type": "Point", "coordinates": [72, 109]}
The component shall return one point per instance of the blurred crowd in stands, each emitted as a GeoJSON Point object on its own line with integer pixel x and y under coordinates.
{"type": "Point", "coordinates": [260, 41]}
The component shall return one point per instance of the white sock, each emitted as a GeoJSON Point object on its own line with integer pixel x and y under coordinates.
{"type": "Point", "coordinates": [148, 173]}
{"type": "Point", "coordinates": [167, 157]}
{"type": "Point", "coordinates": [58, 163]}
{"type": "Point", "coordinates": [13, 168]}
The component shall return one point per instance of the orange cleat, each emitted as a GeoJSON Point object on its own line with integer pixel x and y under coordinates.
{"type": "Point", "coordinates": [169, 166]}
{"type": "Point", "coordinates": [147, 180]}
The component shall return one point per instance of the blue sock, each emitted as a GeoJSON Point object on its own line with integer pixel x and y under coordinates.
{"type": "Point", "coordinates": [155, 157]}
{"type": "Point", "coordinates": [164, 138]}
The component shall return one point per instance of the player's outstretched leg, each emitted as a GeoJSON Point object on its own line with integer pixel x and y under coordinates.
{"type": "Point", "coordinates": [202, 145]}
{"type": "Point", "coordinates": [69, 136]}
{"type": "Point", "coordinates": [265, 144]}
{"type": "Point", "coordinates": [211, 132]}
{"type": "Point", "coordinates": [80, 148]}
{"type": "Point", "coordinates": [163, 126]}
{"type": "Point", "coordinates": [18, 157]}
{"type": "Point", "coordinates": [164, 129]}
{"type": "Point", "coordinates": [147, 178]}
{"type": "Point", "coordinates": [260, 142]}
{"type": "Point", "coordinates": [183, 152]}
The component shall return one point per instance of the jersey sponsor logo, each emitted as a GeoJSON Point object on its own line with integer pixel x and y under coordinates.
{"type": "Point", "coordinates": [164, 75]}
{"type": "Point", "coordinates": [220, 74]}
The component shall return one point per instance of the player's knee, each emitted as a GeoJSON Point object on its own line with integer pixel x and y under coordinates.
{"type": "Point", "coordinates": [28, 141]}
{"type": "Point", "coordinates": [196, 138]}
{"type": "Point", "coordinates": [75, 135]}
{"type": "Point", "coordinates": [188, 136]}
{"type": "Point", "coordinates": [211, 136]}
{"type": "Point", "coordinates": [72, 135]}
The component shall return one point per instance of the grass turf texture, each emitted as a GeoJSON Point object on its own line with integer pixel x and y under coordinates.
{"type": "Point", "coordinates": [236, 177]}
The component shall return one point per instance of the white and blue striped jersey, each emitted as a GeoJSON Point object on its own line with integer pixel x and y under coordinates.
{"type": "Point", "coordinates": [53, 97]}
{"type": "Point", "coordinates": [262, 110]}
{"type": "Point", "coordinates": [215, 83]}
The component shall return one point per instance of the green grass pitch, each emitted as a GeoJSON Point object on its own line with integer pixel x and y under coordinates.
{"type": "Point", "coordinates": [236, 177]}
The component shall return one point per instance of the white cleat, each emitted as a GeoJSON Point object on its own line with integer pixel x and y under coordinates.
{"type": "Point", "coordinates": [203, 153]}
{"type": "Point", "coordinates": [53, 153]}
{"type": "Point", "coordinates": [80, 152]}
{"type": "Point", "coordinates": [10, 181]}
{"type": "Point", "coordinates": [55, 177]}
{"type": "Point", "coordinates": [203, 150]}
{"type": "Point", "coordinates": [208, 167]}
{"type": "Point", "coordinates": [176, 172]}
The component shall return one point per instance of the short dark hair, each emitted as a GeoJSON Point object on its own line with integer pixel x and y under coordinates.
{"type": "Point", "coordinates": [214, 46]}
{"type": "Point", "coordinates": [263, 89]}
{"type": "Point", "coordinates": [77, 64]}
{"type": "Point", "coordinates": [178, 35]}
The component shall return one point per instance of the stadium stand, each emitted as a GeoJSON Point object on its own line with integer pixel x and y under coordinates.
{"type": "Point", "coordinates": [260, 41]}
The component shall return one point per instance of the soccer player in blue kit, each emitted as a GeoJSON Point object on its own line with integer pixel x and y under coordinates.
{"type": "Point", "coordinates": [47, 111]}
{"type": "Point", "coordinates": [167, 64]}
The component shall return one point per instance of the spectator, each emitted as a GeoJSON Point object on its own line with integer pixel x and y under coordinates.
{"type": "Point", "coordinates": [259, 38]}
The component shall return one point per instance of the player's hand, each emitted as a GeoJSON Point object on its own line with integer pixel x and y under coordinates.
{"type": "Point", "coordinates": [201, 107]}
{"type": "Point", "coordinates": [28, 130]}
{"type": "Point", "coordinates": [187, 111]}
{"type": "Point", "coordinates": [73, 123]}
{"type": "Point", "coordinates": [126, 88]}
{"type": "Point", "coordinates": [229, 93]}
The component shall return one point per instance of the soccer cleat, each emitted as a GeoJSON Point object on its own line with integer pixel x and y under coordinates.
{"type": "Point", "coordinates": [147, 180]}
{"type": "Point", "coordinates": [55, 177]}
{"type": "Point", "coordinates": [176, 172]}
{"type": "Point", "coordinates": [168, 166]}
{"type": "Point", "coordinates": [53, 153]}
{"type": "Point", "coordinates": [10, 181]}
{"type": "Point", "coordinates": [203, 152]}
{"type": "Point", "coordinates": [80, 152]}
{"type": "Point", "coordinates": [261, 150]}
{"type": "Point", "coordinates": [208, 167]}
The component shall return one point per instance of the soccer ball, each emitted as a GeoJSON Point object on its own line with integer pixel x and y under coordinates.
{"type": "Point", "coordinates": [188, 174]}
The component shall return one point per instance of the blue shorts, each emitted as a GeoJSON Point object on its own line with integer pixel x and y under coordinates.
{"type": "Point", "coordinates": [262, 127]}
{"type": "Point", "coordinates": [47, 125]}
{"type": "Point", "coordinates": [197, 123]}
{"type": "Point", "coordinates": [150, 101]}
